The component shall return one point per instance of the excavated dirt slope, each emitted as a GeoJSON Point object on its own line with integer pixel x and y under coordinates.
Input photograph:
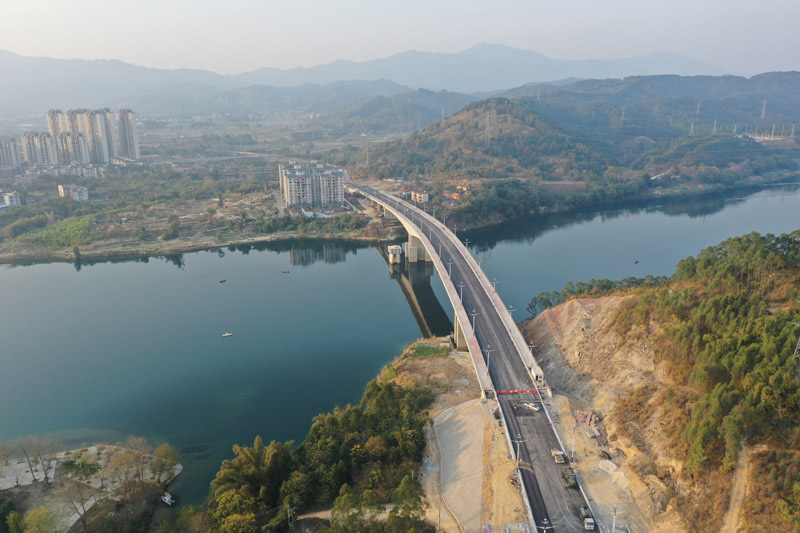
{"type": "Point", "coordinates": [588, 365]}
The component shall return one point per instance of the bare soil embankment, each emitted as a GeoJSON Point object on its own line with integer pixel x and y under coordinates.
{"type": "Point", "coordinates": [591, 367]}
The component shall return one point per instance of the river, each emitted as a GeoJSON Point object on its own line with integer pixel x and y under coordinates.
{"type": "Point", "coordinates": [136, 347]}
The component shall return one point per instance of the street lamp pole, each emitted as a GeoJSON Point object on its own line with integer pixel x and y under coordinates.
{"type": "Point", "coordinates": [473, 314]}
{"type": "Point", "coordinates": [449, 267]}
{"type": "Point", "coordinates": [489, 351]}
{"type": "Point", "coordinates": [461, 290]}
{"type": "Point", "coordinates": [494, 284]}
{"type": "Point", "coordinates": [518, 442]}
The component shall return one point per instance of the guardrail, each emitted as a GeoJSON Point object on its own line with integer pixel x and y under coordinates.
{"type": "Point", "coordinates": [511, 327]}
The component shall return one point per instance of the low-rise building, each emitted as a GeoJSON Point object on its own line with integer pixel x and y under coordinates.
{"type": "Point", "coordinates": [73, 192]}
{"type": "Point", "coordinates": [420, 197]}
{"type": "Point", "coordinates": [11, 198]}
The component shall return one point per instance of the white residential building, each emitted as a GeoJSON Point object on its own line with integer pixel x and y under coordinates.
{"type": "Point", "coordinates": [11, 198]}
{"type": "Point", "coordinates": [311, 183]}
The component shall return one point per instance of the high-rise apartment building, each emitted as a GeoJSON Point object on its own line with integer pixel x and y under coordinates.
{"type": "Point", "coordinates": [311, 183]}
{"type": "Point", "coordinates": [9, 153]}
{"type": "Point", "coordinates": [72, 149]}
{"type": "Point", "coordinates": [39, 149]}
{"type": "Point", "coordinates": [127, 135]}
{"type": "Point", "coordinates": [100, 131]}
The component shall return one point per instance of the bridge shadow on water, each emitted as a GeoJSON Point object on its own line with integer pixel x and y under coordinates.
{"type": "Point", "coordinates": [414, 280]}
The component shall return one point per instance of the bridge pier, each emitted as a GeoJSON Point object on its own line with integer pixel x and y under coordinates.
{"type": "Point", "coordinates": [458, 333]}
{"type": "Point", "coordinates": [395, 254]}
{"type": "Point", "coordinates": [415, 250]}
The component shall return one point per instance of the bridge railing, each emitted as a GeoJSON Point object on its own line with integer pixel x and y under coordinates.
{"type": "Point", "coordinates": [481, 371]}
{"type": "Point", "coordinates": [516, 336]}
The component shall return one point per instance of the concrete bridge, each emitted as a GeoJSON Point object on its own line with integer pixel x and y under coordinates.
{"type": "Point", "coordinates": [503, 362]}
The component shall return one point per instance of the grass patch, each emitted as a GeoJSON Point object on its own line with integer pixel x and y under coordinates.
{"type": "Point", "coordinates": [424, 349]}
{"type": "Point", "coordinates": [68, 232]}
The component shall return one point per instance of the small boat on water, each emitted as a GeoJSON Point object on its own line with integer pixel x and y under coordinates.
{"type": "Point", "coordinates": [227, 334]}
{"type": "Point", "coordinates": [284, 271]}
{"type": "Point", "coordinates": [636, 262]}
{"type": "Point", "coordinates": [168, 499]}
{"type": "Point", "coordinates": [223, 280]}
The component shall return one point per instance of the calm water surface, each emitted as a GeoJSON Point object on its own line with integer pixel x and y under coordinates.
{"type": "Point", "coordinates": [136, 347]}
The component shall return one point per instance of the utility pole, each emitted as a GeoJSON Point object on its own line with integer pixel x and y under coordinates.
{"type": "Point", "coordinates": [572, 459]}
{"type": "Point", "coordinates": [614, 521]}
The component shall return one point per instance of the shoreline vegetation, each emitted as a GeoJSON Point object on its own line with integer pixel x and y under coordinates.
{"type": "Point", "coordinates": [101, 250]}
{"type": "Point", "coordinates": [357, 460]}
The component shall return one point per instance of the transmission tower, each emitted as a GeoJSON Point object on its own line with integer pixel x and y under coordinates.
{"type": "Point", "coordinates": [490, 115]}
{"type": "Point", "coordinates": [698, 109]}
{"type": "Point", "coordinates": [622, 120]}
{"type": "Point", "coordinates": [797, 353]}
{"type": "Point", "coordinates": [715, 128]}
{"type": "Point", "coordinates": [691, 129]}
{"type": "Point", "coordinates": [773, 131]}
{"type": "Point", "coordinates": [764, 108]}
{"type": "Point", "coordinates": [734, 129]}
{"type": "Point", "coordinates": [791, 137]}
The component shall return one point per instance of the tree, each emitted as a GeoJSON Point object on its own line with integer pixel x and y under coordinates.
{"type": "Point", "coordinates": [15, 522]}
{"type": "Point", "coordinates": [139, 449]}
{"type": "Point", "coordinates": [6, 509]}
{"type": "Point", "coordinates": [165, 459]}
{"type": "Point", "coordinates": [258, 471]}
{"type": "Point", "coordinates": [39, 520]}
{"type": "Point", "coordinates": [409, 510]}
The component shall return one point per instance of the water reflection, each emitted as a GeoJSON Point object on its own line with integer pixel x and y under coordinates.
{"type": "Point", "coordinates": [528, 229]}
{"type": "Point", "coordinates": [414, 280]}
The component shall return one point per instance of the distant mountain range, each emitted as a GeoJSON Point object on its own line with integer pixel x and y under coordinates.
{"type": "Point", "coordinates": [31, 85]}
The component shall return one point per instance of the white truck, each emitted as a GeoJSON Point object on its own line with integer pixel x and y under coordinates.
{"type": "Point", "coordinates": [588, 519]}
{"type": "Point", "coordinates": [558, 456]}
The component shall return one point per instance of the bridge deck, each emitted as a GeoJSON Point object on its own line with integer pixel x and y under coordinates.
{"type": "Point", "coordinates": [502, 360]}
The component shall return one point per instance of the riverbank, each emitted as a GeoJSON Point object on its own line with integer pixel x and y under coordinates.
{"type": "Point", "coordinates": [101, 486]}
{"type": "Point", "coordinates": [104, 251]}
{"type": "Point", "coordinates": [129, 248]}
{"type": "Point", "coordinates": [658, 194]}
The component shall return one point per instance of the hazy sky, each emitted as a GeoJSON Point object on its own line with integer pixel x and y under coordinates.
{"type": "Point", "coordinates": [231, 36]}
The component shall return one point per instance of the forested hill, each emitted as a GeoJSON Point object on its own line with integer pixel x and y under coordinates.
{"type": "Point", "coordinates": [493, 138]}
{"type": "Point", "coordinates": [403, 113]}
{"type": "Point", "coordinates": [722, 332]}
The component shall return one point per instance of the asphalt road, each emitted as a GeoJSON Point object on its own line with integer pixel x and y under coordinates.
{"type": "Point", "coordinates": [555, 506]}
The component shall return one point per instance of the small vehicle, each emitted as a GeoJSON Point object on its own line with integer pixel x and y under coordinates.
{"type": "Point", "coordinates": [168, 499]}
{"type": "Point", "coordinates": [533, 407]}
{"type": "Point", "coordinates": [558, 456]}
{"type": "Point", "coordinates": [227, 334]}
